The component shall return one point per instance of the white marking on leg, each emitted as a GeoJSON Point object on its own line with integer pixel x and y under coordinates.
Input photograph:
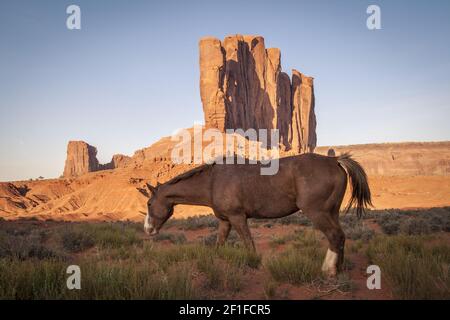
{"type": "Point", "coordinates": [330, 263]}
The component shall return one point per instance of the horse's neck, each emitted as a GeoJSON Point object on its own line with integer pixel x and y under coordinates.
{"type": "Point", "coordinates": [194, 190]}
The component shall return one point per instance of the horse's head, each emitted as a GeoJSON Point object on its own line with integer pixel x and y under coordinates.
{"type": "Point", "coordinates": [159, 210]}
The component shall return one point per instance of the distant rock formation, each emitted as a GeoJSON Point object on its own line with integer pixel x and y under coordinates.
{"type": "Point", "coordinates": [303, 136]}
{"type": "Point", "coordinates": [401, 175]}
{"type": "Point", "coordinates": [82, 158]}
{"type": "Point", "coordinates": [119, 161]}
{"type": "Point", "coordinates": [242, 86]}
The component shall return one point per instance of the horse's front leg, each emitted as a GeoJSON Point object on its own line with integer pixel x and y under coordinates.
{"type": "Point", "coordinates": [239, 222]}
{"type": "Point", "coordinates": [223, 232]}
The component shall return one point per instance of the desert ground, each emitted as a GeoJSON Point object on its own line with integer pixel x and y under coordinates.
{"type": "Point", "coordinates": [118, 261]}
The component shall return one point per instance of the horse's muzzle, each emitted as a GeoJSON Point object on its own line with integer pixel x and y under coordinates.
{"type": "Point", "coordinates": [150, 230]}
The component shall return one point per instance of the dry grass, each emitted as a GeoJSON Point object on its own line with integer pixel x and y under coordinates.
{"type": "Point", "coordinates": [46, 279]}
{"type": "Point", "coordinates": [118, 262]}
{"type": "Point", "coordinates": [300, 263]}
{"type": "Point", "coordinates": [414, 269]}
{"type": "Point", "coordinates": [412, 222]}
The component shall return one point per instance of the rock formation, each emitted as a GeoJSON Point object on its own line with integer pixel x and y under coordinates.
{"type": "Point", "coordinates": [82, 158]}
{"type": "Point", "coordinates": [303, 130]}
{"type": "Point", "coordinates": [119, 161]}
{"type": "Point", "coordinates": [242, 86]}
{"type": "Point", "coordinates": [401, 175]}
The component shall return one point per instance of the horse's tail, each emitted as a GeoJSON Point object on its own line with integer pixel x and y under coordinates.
{"type": "Point", "coordinates": [360, 187]}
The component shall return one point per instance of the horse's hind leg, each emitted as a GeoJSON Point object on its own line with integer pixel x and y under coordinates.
{"type": "Point", "coordinates": [223, 232]}
{"type": "Point", "coordinates": [240, 224]}
{"type": "Point", "coordinates": [335, 255]}
{"type": "Point", "coordinates": [325, 222]}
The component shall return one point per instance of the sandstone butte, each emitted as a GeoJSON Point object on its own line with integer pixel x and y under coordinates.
{"type": "Point", "coordinates": [242, 86]}
{"type": "Point", "coordinates": [82, 158]}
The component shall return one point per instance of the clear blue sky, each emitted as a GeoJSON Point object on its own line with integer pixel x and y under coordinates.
{"type": "Point", "coordinates": [130, 75]}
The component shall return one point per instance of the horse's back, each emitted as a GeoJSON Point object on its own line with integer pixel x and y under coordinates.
{"type": "Point", "coordinates": [243, 187]}
{"type": "Point", "coordinates": [320, 182]}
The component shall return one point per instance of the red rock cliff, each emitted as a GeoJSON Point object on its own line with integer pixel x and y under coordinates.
{"type": "Point", "coordinates": [82, 158]}
{"type": "Point", "coordinates": [242, 86]}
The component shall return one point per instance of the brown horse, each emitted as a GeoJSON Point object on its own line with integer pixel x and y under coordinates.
{"type": "Point", "coordinates": [311, 183]}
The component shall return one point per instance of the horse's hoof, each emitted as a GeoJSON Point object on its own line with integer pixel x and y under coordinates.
{"type": "Point", "coordinates": [330, 274]}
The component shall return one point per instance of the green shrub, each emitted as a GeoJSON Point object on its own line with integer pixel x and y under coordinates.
{"type": "Point", "coordinates": [25, 247]}
{"type": "Point", "coordinates": [356, 246]}
{"type": "Point", "coordinates": [166, 257]}
{"type": "Point", "coordinates": [212, 271]}
{"type": "Point", "coordinates": [305, 238]}
{"type": "Point", "coordinates": [175, 238]}
{"type": "Point", "coordinates": [76, 241]}
{"type": "Point", "coordinates": [414, 270]}
{"type": "Point", "coordinates": [32, 279]}
{"type": "Point", "coordinates": [239, 257]}
{"type": "Point", "coordinates": [195, 222]}
{"type": "Point", "coordinates": [113, 235]}
{"type": "Point", "coordinates": [233, 278]}
{"type": "Point", "coordinates": [355, 228]}
{"type": "Point", "coordinates": [270, 289]}
{"type": "Point", "coordinates": [80, 236]}
{"type": "Point", "coordinates": [296, 266]}
{"type": "Point", "coordinates": [211, 239]}
{"type": "Point", "coordinates": [389, 222]}
{"type": "Point", "coordinates": [100, 280]}
{"type": "Point", "coordinates": [415, 226]}
{"type": "Point", "coordinates": [301, 262]}
{"type": "Point", "coordinates": [298, 238]}
{"type": "Point", "coordinates": [296, 218]}
{"type": "Point", "coordinates": [278, 241]}
{"type": "Point", "coordinates": [394, 221]}
{"type": "Point", "coordinates": [220, 274]}
{"type": "Point", "coordinates": [390, 227]}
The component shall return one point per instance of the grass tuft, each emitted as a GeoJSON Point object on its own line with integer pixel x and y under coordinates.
{"type": "Point", "coordinates": [415, 270]}
{"type": "Point", "coordinates": [299, 264]}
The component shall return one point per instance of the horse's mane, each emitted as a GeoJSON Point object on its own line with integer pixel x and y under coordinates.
{"type": "Point", "coordinates": [202, 168]}
{"type": "Point", "coordinates": [190, 173]}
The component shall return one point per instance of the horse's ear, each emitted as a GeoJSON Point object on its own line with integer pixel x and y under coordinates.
{"type": "Point", "coordinates": [144, 192]}
{"type": "Point", "coordinates": [151, 188]}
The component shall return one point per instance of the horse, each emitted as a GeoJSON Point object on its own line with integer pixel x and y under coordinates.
{"type": "Point", "coordinates": [310, 183]}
